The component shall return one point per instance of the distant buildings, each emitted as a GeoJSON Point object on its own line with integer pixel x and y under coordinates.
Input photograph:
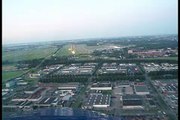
{"type": "Point", "coordinates": [78, 69]}
{"type": "Point", "coordinates": [149, 67]}
{"type": "Point", "coordinates": [101, 86]}
{"type": "Point", "coordinates": [152, 53]}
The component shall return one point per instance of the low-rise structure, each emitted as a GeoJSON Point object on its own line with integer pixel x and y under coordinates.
{"type": "Point", "coordinates": [132, 102]}
{"type": "Point", "coordinates": [48, 101]}
{"type": "Point", "coordinates": [69, 86]}
{"type": "Point", "coordinates": [11, 83]}
{"type": "Point", "coordinates": [101, 86]}
{"type": "Point", "coordinates": [97, 101]}
{"type": "Point", "coordinates": [32, 90]}
{"type": "Point", "coordinates": [141, 89]}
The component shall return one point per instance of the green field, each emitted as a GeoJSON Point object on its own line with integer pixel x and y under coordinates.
{"type": "Point", "coordinates": [79, 49]}
{"type": "Point", "coordinates": [28, 54]}
{"type": "Point", "coordinates": [10, 74]}
{"type": "Point", "coordinates": [163, 58]}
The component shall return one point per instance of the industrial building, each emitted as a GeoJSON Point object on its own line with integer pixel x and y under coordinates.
{"type": "Point", "coordinates": [15, 104]}
{"type": "Point", "coordinates": [78, 69]}
{"type": "Point", "coordinates": [97, 101]}
{"type": "Point", "coordinates": [123, 84]}
{"type": "Point", "coordinates": [101, 86]}
{"type": "Point", "coordinates": [11, 83]}
{"type": "Point", "coordinates": [48, 101]}
{"type": "Point", "coordinates": [132, 102]}
{"type": "Point", "coordinates": [32, 90]}
{"type": "Point", "coordinates": [69, 86]}
{"type": "Point", "coordinates": [141, 89]}
{"type": "Point", "coordinates": [20, 97]}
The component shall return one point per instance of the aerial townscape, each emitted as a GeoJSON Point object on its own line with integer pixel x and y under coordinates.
{"type": "Point", "coordinates": [135, 78]}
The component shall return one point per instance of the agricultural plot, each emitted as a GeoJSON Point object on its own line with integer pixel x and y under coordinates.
{"type": "Point", "coordinates": [10, 74]}
{"type": "Point", "coordinates": [27, 54]}
{"type": "Point", "coordinates": [9, 67]}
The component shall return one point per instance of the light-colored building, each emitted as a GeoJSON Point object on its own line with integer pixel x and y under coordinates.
{"type": "Point", "coordinates": [98, 101]}
{"type": "Point", "coordinates": [141, 90]}
{"type": "Point", "coordinates": [101, 86]}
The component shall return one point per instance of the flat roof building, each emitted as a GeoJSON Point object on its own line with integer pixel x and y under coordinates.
{"type": "Point", "coordinates": [48, 101]}
{"type": "Point", "coordinates": [141, 89]}
{"type": "Point", "coordinates": [32, 90]}
{"type": "Point", "coordinates": [98, 101]}
{"type": "Point", "coordinates": [11, 83]}
{"type": "Point", "coordinates": [132, 102]}
{"type": "Point", "coordinates": [101, 86]}
{"type": "Point", "coordinates": [20, 97]}
{"type": "Point", "coordinates": [69, 86]}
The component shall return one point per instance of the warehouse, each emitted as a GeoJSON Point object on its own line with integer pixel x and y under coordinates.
{"type": "Point", "coordinates": [141, 90]}
{"type": "Point", "coordinates": [21, 97]}
{"type": "Point", "coordinates": [123, 84]}
{"type": "Point", "coordinates": [48, 101]}
{"type": "Point", "coordinates": [132, 102]}
{"type": "Point", "coordinates": [32, 90]}
{"type": "Point", "coordinates": [69, 86]}
{"type": "Point", "coordinates": [101, 86]}
{"type": "Point", "coordinates": [11, 83]}
{"type": "Point", "coordinates": [35, 98]}
{"type": "Point", "coordinates": [98, 101]}
{"type": "Point", "coordinates": [15, 104]}
{"type": "Point", "coordinates": [66, 98]}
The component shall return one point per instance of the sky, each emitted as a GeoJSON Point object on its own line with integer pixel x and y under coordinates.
{"type": "Point", "coordinates": [50, 20]}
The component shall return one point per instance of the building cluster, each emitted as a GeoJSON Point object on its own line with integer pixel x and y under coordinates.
{"type": "Point", "coordinates": [45, 71]}
{"type": "Point", "coordinates": [78, 69]}
{"type": "Point", "coordinates": [43, 95]}
{"type": "Point", "coordinates": [149, 67]}
{"type": "Point", "coordinates": [59, 94]}
{"type": "Point", "coordinates": [16, 82]}
{"type": "Point", "coordinates": [152, 53]}
{"type": "Point", "coordinates": [97, 96]}
{"type": "Point", "coordinates": [119, 68]}
{"type": "Point", "coordinates": [49, 69]}
{"type": "Point", "coordinates": [131, 94]}
{"type": "Point", "coordinates": [97, 100]}
{"type": "Point", "coordinates": [24, 98]}
{"type": "Point", "coordinates": [169, 90]}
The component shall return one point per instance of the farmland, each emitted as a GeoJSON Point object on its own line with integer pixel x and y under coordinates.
{"type": "Point", "coordinates": [10, 74]}
{"type": "Point", "coordinates": [27, 54]}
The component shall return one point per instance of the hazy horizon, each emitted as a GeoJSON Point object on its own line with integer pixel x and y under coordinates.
{"type": "Point", "coordinates": [40, 20]}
